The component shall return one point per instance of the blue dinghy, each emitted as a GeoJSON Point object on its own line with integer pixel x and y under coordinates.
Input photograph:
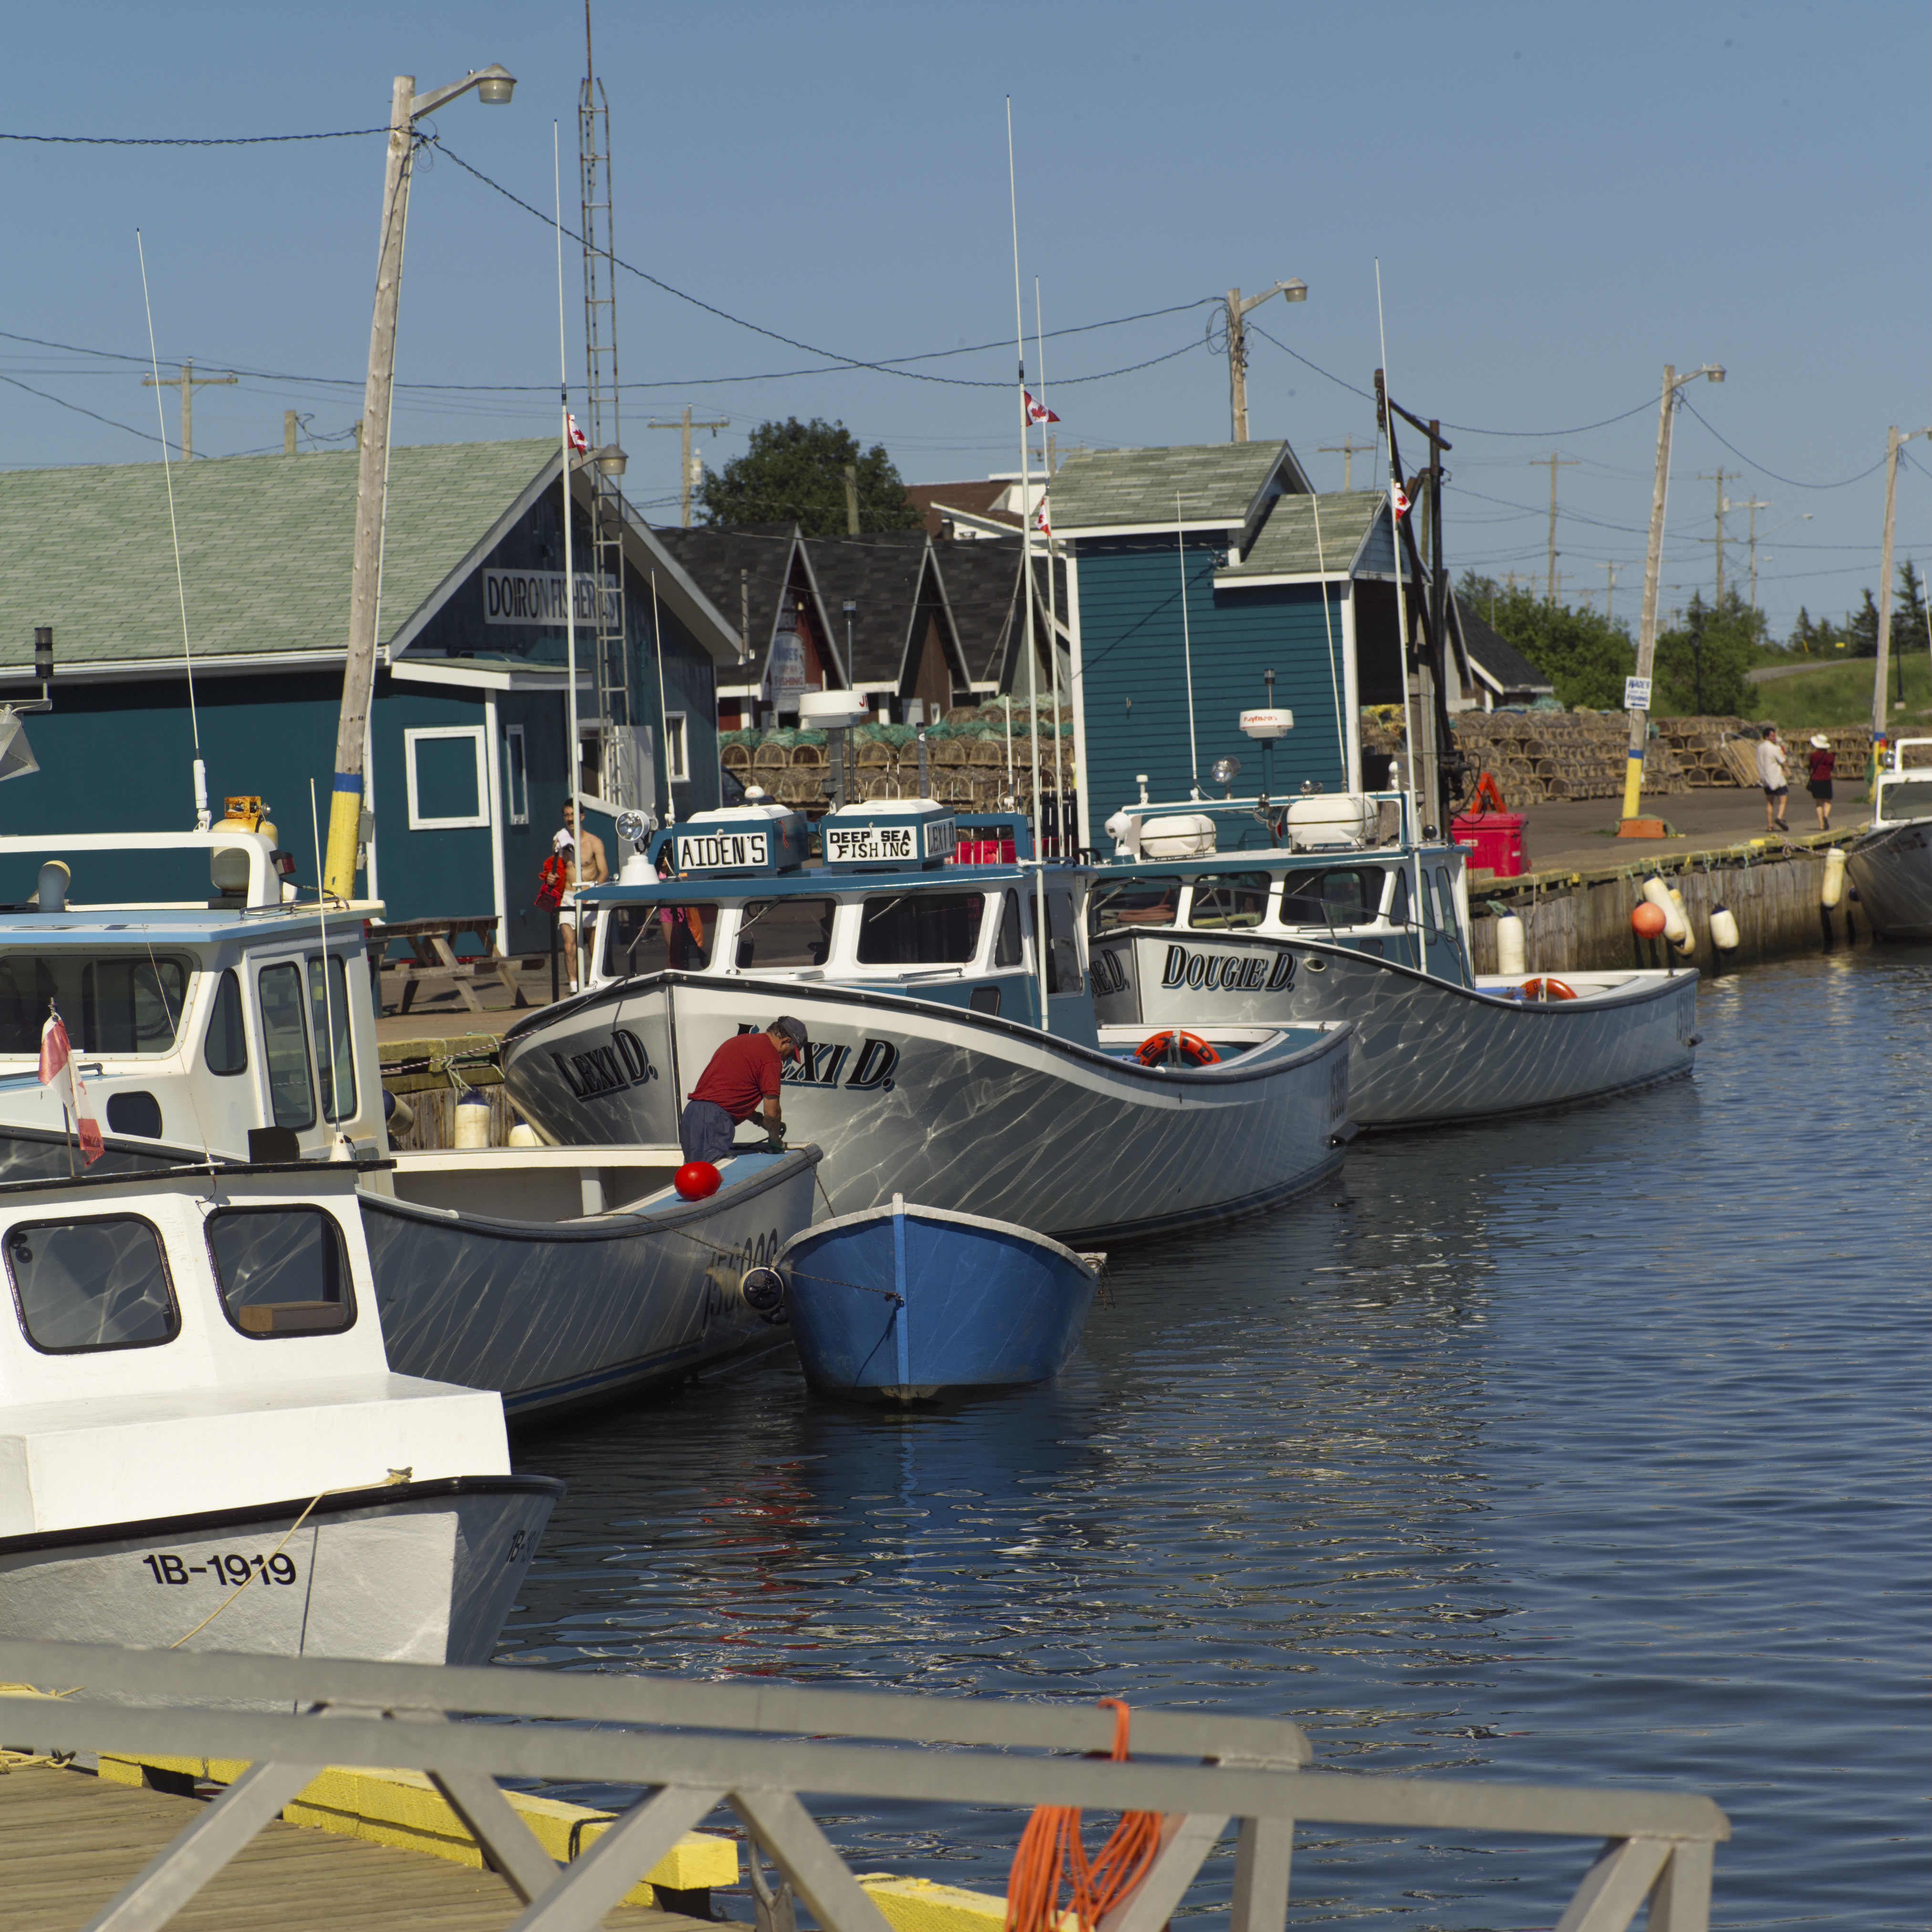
{"type": "Point", "coordinates": [904, 1301]}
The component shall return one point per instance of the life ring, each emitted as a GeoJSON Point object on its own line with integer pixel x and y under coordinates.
{"type": "Point", "coordinates": [1196, 1050]}
{"type": "Point", "coordinates": [1547, 989]}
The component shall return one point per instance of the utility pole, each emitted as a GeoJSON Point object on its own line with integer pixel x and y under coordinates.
{"type": "Point", "coordinates": [1347, 449]}
{"type": "Point", "coordinates": [1718, 477]}
{"type": "Point", "coordinates": [851, 505]}
{"type": "Point", "coordinates": [1631, 826]}
{"type": "Point", "coordinates": [684, 425]}
{"type": "Point", "coordinates": [1754, 505]}
{"type": "Point", "coordinates": [1555, 463]}
{"type": "Point", "coordinates": [1894, 442]}
{"type": "Point", "coordinates": [290, 422]}
{"type": "Point", "coordinates": [1237, 348]}
{"type": "Point", "coordinates": [187, 382]}
{"type": "Point", "coordinates": [1609, 588]}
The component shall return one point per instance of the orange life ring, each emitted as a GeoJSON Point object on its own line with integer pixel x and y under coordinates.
{"type": "Point", "coordinates": [1547, 989]}
{"type": "Point", "coordinates": [1194, 1049]}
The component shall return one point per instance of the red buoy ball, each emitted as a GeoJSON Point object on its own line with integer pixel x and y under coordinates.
{"type": "Point", "coordinates": [698, 1180]}
{"type": "Point", "coordinates": [1647, 921]}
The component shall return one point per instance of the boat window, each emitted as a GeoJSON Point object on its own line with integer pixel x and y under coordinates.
{"type": "Point", "coordinates": [1063, 950]}
{"type": "Point", "coordinates": [281, 1270]}
{"type": "Point", "coordinates": [1338, 895]}
{"type": "Point", "coordinates": [285, 1045]}
{"type": "Point", "coordinates": [329, 1015]}
{"type": "Point", "coordinates": [127, 1005]}
{"type": "Point", "coordinates": [920, 929]}
{"type": "Point", "coordinates": [656, 938]}
{"type": "Point", "coordinates": [1445, 913]}
{"type": "Point", "coordinates": [1905, 798]}
{"type": "Point", "coordinates": [1006, 951]}
{"type": "Point", "coordinates": [1132, 902]}
{"type": "Point", "coordinates": [1398, 905]}
{"type": "Point", "coordinates": [785, 932]}
{"type": "Point", "coordinates": [99, 1283]}
{"type": "Point", "coordinates": [1224, 899]}
{"type": "Point", "coordinates": [225, 1051]}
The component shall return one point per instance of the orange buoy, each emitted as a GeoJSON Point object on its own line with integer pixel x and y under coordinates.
{"type": "Point", "coordinates": [1647, 920]}
{"type": "Point", "coordinates": [1191, 1046]}
{"type": "Point", "coordinates": [1547, 989]}
{"type": "Point", "coordinates": [697, 1180]}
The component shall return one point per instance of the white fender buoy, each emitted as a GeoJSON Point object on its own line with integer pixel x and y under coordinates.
{"type": "Point", "coordinates": [522, 1134]}
{"type": "Point", "coordinates": [1688, 943]}
{"type": "Point", "coordinates": [1509, 956]}
{"type": "Point", "coordinates": [1724, 929]}
{"type": "Point", "coordinates": [1675, 928]}
{"type": "Point", "coordinates": [472, 1120]}
{"type": "Point", "coordinates": [1833, 890]}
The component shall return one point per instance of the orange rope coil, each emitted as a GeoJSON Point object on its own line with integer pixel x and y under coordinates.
{"type": "Point", "coordinates": [1050, 1857]}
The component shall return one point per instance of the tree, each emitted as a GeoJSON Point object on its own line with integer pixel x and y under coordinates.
{"type": "Point", "coordinates": [1908, 609]}
{"type": "Point", "coordinates": [1701, 663]}
{"type": "Point", "coordinates": [1861, 629]}
{"type": "Point", "coordinates": [1584, 655]}
{"type": "Point", "coordinates": [794, 472]}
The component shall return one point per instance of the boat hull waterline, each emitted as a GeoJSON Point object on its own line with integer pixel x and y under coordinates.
{"type": "Point", "coordinates": [956, 1109]}
{"type": "Point", "coordinates": [1891, 867]}
{"type": "Point", "coordinates": [417, 1572]}
{"type": "Point", "coordinates": [905, 1301]}
{"type": "Point", "coordinates": [1425, 1051]}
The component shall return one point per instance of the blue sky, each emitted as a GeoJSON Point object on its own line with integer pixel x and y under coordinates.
{"type": "Point", "coordinates": [1562, 199]}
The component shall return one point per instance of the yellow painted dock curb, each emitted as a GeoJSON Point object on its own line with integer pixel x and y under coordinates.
{"type": "Point", "coordinates": [921, 1905]}
{"type": "Point", "coordinates": [403, 1809]}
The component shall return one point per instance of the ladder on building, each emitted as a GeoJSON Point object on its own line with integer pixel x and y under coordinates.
{"type": "Point", "coordinates": [621, 776]}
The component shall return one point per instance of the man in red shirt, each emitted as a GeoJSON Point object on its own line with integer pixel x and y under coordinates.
{"type": "Point", "coordinates": [743, 1073]}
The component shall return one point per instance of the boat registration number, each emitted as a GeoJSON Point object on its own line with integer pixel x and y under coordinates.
{"type": "Point", "coordinates": [230, 1569]}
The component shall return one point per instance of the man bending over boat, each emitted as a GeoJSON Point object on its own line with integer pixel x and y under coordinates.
{"type": "Point", "coordinates": [743, 1074]}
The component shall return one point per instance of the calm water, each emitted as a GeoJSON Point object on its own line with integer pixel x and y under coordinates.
{"type": "Point", "coordinates": [1589, 1449]}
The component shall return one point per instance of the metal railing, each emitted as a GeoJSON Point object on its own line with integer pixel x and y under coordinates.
{"type": "Point", "coordinates": [756, 1747]}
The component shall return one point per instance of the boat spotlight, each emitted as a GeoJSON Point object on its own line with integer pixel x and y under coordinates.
{"type": "Point", "coordinates": [1224, 771]}
{"type": "Point", "coordinates": [637, 826]}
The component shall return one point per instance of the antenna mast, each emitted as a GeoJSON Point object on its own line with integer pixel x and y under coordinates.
{"type": "Point", "coordinates": [619, 778]}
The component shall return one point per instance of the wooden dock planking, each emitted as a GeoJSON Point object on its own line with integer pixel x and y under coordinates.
{"type": "Point", "coordinates": [69, 1841]}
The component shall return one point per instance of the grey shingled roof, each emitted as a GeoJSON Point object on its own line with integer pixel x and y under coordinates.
{"type": "Point", "coordinates": [266, 544]}
{"type": "Point", "coordinates": [1498, 655]}
{"type": "Point", "coordinates": [1216, 483]}
{"type": "Point", "coordinates": [713, 554]}
{"type": "Point", "coordinates": [1287, 545]}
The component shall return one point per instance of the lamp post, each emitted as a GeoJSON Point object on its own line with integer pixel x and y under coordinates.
{"type": "Point", "coordinates": [1646, 637]}
{"type": "Point", "coordinates": [1237, 347]}
{"type": "Point", "coordinates": [493, 86]}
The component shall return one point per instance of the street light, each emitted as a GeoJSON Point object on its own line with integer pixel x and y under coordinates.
{"type": "Point", "coordinates": [494, 85]}
{"type": "Point", "coordinates": [1295, 291]}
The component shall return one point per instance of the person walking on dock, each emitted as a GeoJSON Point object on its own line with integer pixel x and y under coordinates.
{"type": "Point", "coordinates": [744, 1073]}
{"type": "Point", "coordinates": [1770, 776]}
{"type": "Point", "coordinates": [1823, 763]}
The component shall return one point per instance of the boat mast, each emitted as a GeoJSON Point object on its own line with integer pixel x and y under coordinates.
{"type": "Point", "coordinates": [572, 750]}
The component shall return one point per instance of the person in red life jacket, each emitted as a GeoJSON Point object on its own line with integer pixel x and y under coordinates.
{"type": "Point", "coordinates": [743, 1075]}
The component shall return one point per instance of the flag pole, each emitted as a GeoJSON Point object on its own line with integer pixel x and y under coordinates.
{"type": "Point", "coordinates": [574, 750]}
{"type": "Point", "coordinates": [1052, 591]}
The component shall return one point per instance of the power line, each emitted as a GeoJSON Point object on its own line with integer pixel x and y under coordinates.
{"type": "Point", "coordinates": [1791, 482]}
{"type": "Point", "coordinates": [188, 140]}
{"type": "Point", "coordinates": [60, 403]}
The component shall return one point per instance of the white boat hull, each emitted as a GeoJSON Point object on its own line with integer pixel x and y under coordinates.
{"type": "Point", "coordinates": [553, 1313]}
{"type": "Point", "coordinates": [956, 1109]}
{"type": "Point", "coordinates": [1424, 1051]}
{"type": "Point", "coordinates": [1891, 867]}
{"type": "Point", "coordinates": [423, 1572]}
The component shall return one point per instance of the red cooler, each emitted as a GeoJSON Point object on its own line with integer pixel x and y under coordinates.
{"type": "Point", "coordinates": [1497, 838]}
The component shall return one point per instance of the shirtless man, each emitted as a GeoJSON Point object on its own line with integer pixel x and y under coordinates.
{"type": "Point", "coordinates": [592, 870]}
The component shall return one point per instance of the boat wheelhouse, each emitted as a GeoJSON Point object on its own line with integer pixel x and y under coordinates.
{"type": "Point", "coordinates": [1890, 862]}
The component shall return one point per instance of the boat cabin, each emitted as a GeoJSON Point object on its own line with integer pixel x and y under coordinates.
{"type": "Point", "coordinates": [897, 901]}
{"type": "Point", "coordinates": [194, 1025]}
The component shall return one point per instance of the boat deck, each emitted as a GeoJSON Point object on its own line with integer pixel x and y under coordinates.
{"type": "Point", "coordinates": [69, 1841]}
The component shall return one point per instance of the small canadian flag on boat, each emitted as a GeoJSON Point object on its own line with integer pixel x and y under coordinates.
{"type": "Point", "coordinates": [58, 1069]}
{"type": "Point", "coordinates": [579, 441]}
{"type": "Point", "coordinates": [1398, 500]}
{"type": "Point", "coordinates": [1037, 412]}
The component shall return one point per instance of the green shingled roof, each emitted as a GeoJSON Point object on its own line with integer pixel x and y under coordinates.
{"type": "Point", "coordinates": [1287, 545]}
{"type": "Point", "coordinates": [1215, 482]}
{"type": "Point", "coordinates": [265, 541]}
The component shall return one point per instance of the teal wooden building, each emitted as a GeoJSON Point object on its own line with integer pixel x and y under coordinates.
{"type": "Point", "coordinates": [1273, 577]}
{"type": "Point", "coordinates": [469, 759]}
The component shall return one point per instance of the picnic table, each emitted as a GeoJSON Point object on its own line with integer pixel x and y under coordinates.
{"type": "Point", "coordinates": [432, 961]}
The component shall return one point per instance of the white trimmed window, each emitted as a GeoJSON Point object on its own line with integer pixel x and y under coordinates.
{"type": "Point", "coordinates": [517, 789]}
{"type": "Point", "coordinates": [677, 760]}
{"type": "Point", "coordinates": [449, 771]}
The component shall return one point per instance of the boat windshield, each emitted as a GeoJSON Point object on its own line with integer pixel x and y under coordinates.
{"type": "Point", "coordinates": [1337, 895]}
{"type": "Point", "coordinates": [1905, 798]}
{"type": "Point", "coordinates": [1226, 899]}
{"type": "Point", "coordinates": [127, 1004]}
{"type": "Point", "coordinates": [920, 929]}
{"type": "Point", "coordinates": [785, 932]}
{"type": "Point", "coordinates": [1115, 903]}
{"type": "Point", "coordinates": [650, 938]}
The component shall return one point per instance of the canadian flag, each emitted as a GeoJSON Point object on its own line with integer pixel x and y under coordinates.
{"type": "Point", "coordinates": [1399, 501]}
{"type": "Point", "coordinates": [579, 441]}
{"type": "Point", "coordinates": [1039, 522]}
{"type": "Point", "coordinates": [1037, 412]}
{"type": "Point", "coordinates": [58, 1069]}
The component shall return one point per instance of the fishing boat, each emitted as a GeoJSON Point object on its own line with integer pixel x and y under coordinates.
{"type": "Point", "coordinates": [203, 1443]}
{"type": "Point", "coordinates": [903, 1302]}
{"type": "Point", "coordinates": [1221, 912]}
{"type": "Point", "coordinates": [953, 1058]}
{"type": "Point", "coordinates": [209, 1032]}
{"type": "Point", "coordinates": [1891, 861]}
